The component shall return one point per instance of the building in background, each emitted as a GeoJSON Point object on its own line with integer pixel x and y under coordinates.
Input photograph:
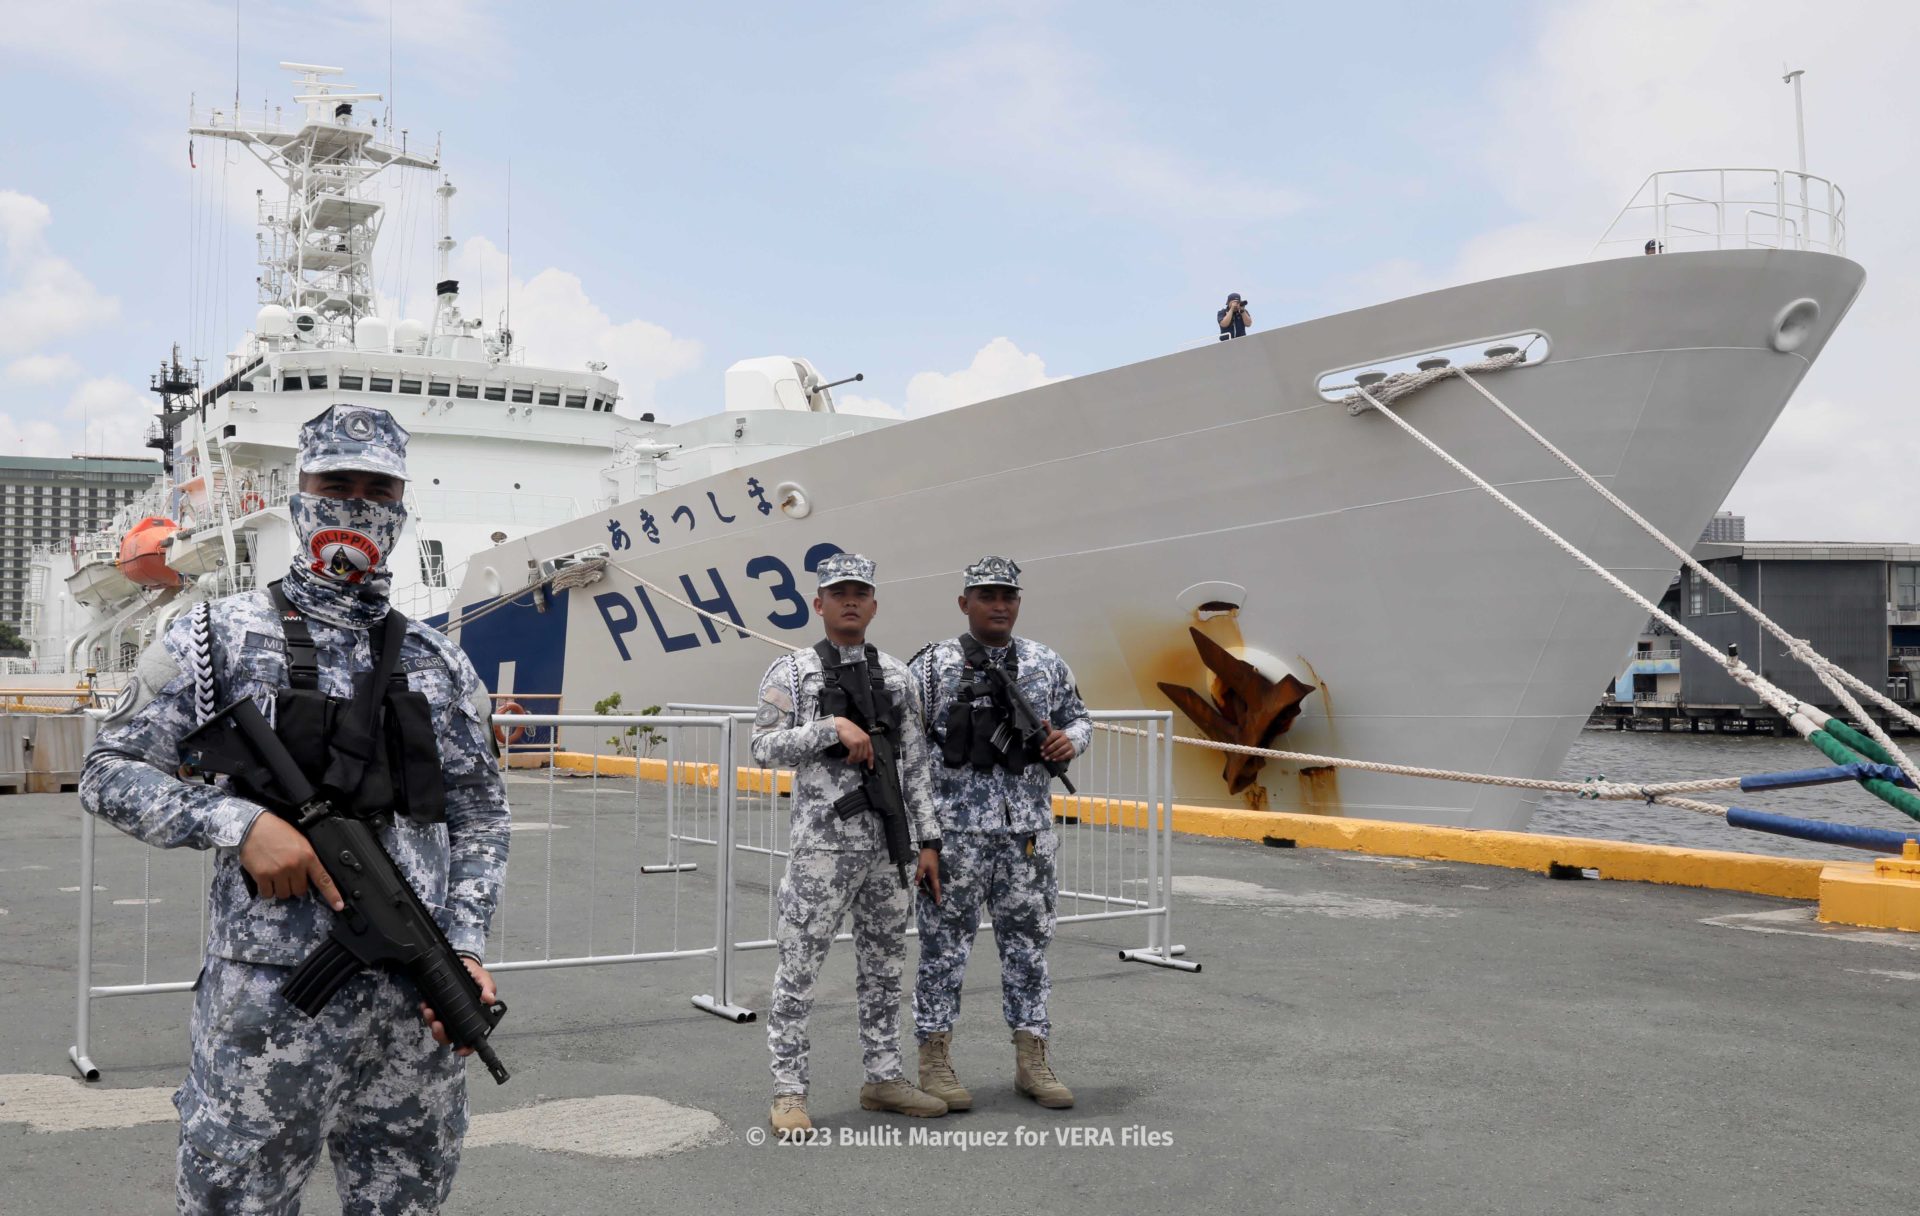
{"type": "Point", "coordinates": [1857, 603]}
{"type": "Point", "coordinates": [1726, 528]}
{"type": "Point", "coordinates": [45, 501]}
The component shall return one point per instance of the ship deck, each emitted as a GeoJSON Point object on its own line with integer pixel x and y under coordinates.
{"type": "Point", "coordinates": [1367, 1036]}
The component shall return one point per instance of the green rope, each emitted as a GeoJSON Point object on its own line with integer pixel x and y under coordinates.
{"type": "Point", "coordinates": [1859, 742]}
{"type": "Point", "coordinates": [1829, 741]}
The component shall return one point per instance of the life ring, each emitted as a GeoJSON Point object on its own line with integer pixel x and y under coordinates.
{"type": "Point", "coordinates": [503, 736]}
{"type": "Point", "coordinates": [250, 502]}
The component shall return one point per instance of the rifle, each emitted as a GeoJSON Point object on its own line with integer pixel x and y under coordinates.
{"type": "Point", "coordinates": [1023, 727]}
{"type": "Point", "coordinates": [384, 923]}
{"type": "Point", "coordinates": [879, 788]}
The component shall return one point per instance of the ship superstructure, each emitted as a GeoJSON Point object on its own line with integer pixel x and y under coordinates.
{"type": "Point", "coordinates": [499, 446]}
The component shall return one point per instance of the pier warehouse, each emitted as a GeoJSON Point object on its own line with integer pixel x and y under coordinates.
{"type": "Point", "coordinates": [1857, 603]}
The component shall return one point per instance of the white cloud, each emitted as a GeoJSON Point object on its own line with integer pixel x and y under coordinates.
{"type": "Point", "coordinates": [558, 325]}
{"type": "Point", "coordinates": [120, 40]}
{"type": "Point", "coordinates": [42, 295]}
{"type": "Point", "coordinates": [1019, 102]}
{"type": "Point", "coordinates": [44, 369]}
{"type": "Point", "coordinates": [1613, 90]}
{"type": "Point", "coordinates": [31, 437]}
{"type": "Point", "coordinates": [110, 417]}
{"type": "Point", "coordinates": [997, 369]}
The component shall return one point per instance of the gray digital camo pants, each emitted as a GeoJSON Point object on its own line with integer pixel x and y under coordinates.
{"type": "Point", "coordinates": [816, 894]}
{"type": "Point", "coordinates": [1021, 891]}
{"type": "Point", "coordinates": [268, 1086]}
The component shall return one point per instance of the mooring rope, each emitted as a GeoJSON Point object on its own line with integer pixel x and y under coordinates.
{"type": "Point", "coordinates": [1831, 674]}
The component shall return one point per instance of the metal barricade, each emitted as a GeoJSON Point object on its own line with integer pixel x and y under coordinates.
{"type": "Point", "coordinates": [1116, 834]}
{"type": "Point", "coordinates": [645, 857]}
{"type": "Point", "coordinates": [578, 890]}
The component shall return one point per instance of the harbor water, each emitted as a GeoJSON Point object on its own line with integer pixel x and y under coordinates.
{"type": "Point", "coordinates": [1654, 756]}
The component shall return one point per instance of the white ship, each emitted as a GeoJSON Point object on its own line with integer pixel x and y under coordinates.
{"type": "Point", "coordinates": [1210, 530]}
{"type": "Point", "coordinates": [499, 446]}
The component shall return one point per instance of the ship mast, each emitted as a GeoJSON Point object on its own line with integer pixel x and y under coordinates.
{"type": "Point", "coordinates": [315, 247]}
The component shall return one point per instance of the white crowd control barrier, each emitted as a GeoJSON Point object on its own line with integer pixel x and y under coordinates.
{"type": "Point", "coordinates": [643, 839]}
{"type": "Point", "coordinates": [1116, 833]}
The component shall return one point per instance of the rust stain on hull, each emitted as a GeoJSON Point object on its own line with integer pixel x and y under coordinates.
{"type": "Point", "coordinates": [1320, 790]}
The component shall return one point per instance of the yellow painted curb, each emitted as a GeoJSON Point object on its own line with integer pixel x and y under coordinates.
{"type": "Point", "coordinates": [1883, 894]}
{"type": "Point", "coordinates": [1785, 877]}
{"type": "Point", "coordinates": [652, 768]}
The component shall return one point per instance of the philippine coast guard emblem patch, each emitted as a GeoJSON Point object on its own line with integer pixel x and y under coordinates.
{"type": "Point", "coordinates": [344, 554]}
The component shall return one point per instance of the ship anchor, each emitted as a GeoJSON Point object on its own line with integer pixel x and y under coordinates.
{"type": "Point", "coordinates": [1247, 709]}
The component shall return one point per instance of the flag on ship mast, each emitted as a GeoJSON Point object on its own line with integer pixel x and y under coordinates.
{"type": "Point", "coordinates": [190, 163]}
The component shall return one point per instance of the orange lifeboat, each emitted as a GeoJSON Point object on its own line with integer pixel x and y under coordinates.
{"type": "Point", "coordinates": [143, 553]}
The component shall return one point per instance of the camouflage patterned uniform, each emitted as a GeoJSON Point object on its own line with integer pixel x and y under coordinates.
{"type": "Point", "coordinates": [837, 864]}
{"type": "Point", "coordinates": [998, 847]}
{"type": "Point", "coordinates": [267, 1084]}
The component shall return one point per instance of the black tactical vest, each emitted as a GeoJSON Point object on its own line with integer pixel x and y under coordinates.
{"type": "Point", "coordinates": [978, 712]}
{"type": "Point", "coordinates": [377, 751]}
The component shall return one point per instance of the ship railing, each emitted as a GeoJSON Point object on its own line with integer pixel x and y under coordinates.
{"type": "Point", "coordinates": [1687, 210]}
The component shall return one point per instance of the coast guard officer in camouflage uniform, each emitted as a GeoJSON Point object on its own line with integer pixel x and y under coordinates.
{"type": "Point", "coordinates": [998, 846]}
{"type": "Point", "coordinates": [268, 1085]}
{"type": "Point", "coordinates": [837, 862]}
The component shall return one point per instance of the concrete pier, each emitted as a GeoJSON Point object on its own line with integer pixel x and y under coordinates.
{"type": "Point", "coordinates": [1368, 1035]}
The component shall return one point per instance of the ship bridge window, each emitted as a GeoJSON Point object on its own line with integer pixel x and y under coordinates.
{"type": "Point", "coordinates": [466, 392]}
{"type": "Point", "coordinates": [496, 392]}
{"type": "Point", "coordinates": [352, 383]}
{"type": "Point", "coordinates": [438, 389]}
{"type": "Point", "coordinates": [290, 384]}
{"type": "Point", "coordinates": [316, 382]}
{"type": "Point", "coordinates": [410, 386]}
{"type": "Point", "coordinates": [550, 396]}
{"type": "Point", "coordinates": [523, 395]}
{"type": "Point", "coordinates": [380, 384]}
{"type": "Point", "coordinates": [576, 401]}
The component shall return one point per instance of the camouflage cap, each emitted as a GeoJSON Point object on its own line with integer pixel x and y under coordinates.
{"type": "Point", "coordinates": [992, 572]}
{"type": "Point", "coordinates": [845, 568]}
{"type": "Point", "coordinates": [361, 438]}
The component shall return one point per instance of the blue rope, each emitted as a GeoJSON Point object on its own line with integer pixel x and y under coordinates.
{"type": "Point", "coordinates": [1830, 775]}
{"type": "Point", "coordinates": [1876, 840]}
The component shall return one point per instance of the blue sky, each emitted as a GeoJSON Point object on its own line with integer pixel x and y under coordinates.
{"type": "Point", "coordinates": [956, 200]}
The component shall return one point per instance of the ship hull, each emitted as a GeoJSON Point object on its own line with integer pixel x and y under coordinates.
{"type": "Point", "coordinates": [1434, 627]}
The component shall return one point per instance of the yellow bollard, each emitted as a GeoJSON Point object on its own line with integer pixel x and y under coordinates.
{"type": "Point", "coordinates": [1883, 895]}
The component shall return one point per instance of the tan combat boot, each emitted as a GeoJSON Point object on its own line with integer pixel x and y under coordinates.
{"type": "Point", "coordinates": [789, 1114]}
{"type": "Point", "coordinates": [936, 1072]}
{"type": "Point", "coordinates": [900, 1098]}
{"type": "Point", "coordinates": [1033, 1076]}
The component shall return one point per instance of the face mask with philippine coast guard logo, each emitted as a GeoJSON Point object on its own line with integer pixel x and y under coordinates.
{"type": "Point", "coordinates": [340, 561]}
